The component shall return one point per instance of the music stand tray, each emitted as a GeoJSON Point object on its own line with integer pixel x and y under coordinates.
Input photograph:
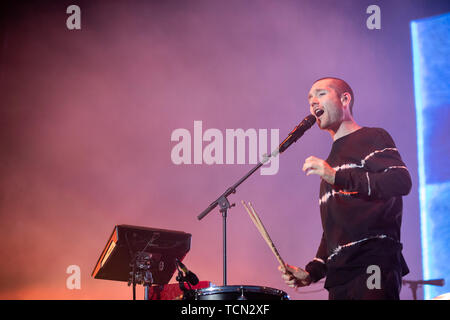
{"type": "Point", "coordinates": [126, 241]}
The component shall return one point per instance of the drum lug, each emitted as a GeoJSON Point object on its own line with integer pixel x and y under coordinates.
{"type": "Point", "coordinates": [242, 297]}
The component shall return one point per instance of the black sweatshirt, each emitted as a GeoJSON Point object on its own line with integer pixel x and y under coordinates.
{"type": "Point", "coordinates": [362, 212]}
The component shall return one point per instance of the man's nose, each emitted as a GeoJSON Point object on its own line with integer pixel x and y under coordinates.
{"type": "Point", "coordinates": [314, 103]}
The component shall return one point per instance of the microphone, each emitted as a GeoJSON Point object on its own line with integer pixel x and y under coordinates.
{"type": "Point", "coordinates": [298, 131]}
{"type": "Point", "coordinates": [190, 276]}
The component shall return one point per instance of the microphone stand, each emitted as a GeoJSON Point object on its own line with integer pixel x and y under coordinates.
{"type": "Point", "coordinates": [224, 204]}
{"type": "Point", "coordinates": [414, 284]}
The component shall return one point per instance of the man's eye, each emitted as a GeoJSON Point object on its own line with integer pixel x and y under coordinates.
{"type": "Point", "coordinates": [321, 94]}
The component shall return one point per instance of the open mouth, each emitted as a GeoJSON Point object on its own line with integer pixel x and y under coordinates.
{"type": "Point", "coordinates": [318, 112]}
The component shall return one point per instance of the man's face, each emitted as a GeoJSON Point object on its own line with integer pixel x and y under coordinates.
{"type": "Point", "coordinates": [323, 97]}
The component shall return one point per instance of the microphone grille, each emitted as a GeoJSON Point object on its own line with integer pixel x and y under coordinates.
{"type": "Point", "coordinates": [310, 120]}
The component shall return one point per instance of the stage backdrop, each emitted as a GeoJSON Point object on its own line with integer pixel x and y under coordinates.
{"type": "Point", "coordinates": [431, 49]}
{"type": "Point", "coordinates": [123, 112]}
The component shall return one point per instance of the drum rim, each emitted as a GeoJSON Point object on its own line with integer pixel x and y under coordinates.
{"type": "Point", "coordinates": [238, 288]}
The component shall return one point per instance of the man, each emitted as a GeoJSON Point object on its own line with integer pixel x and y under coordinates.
{"type": "Point", "coordinates": [363, 181]}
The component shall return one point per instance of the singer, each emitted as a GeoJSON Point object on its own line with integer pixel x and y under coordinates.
{"type": "Point", "coordinates": [362, 184]}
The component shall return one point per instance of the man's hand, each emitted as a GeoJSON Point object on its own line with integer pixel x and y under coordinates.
{"type": "Point", "coordinates": [320, 167]}
{"type": "Point", "coordinates": [295, 277]}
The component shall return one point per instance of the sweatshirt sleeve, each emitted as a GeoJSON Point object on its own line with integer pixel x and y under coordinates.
{"type": "Point", "coordinates": [317, 268]}
{"type": "Point", "coordinates": [382, 173]}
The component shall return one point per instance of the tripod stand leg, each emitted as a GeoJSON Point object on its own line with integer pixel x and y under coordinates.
{"type": "Point", "coordinates": [224, 215]}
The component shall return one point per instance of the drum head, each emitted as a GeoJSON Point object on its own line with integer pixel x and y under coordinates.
{"type": "Point", "coordinates": [237, 293]}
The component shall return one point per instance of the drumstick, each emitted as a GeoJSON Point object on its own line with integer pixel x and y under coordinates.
{"type": "Point", "coordinates": [255, 222]}
{"type": "Point", "coordinates": [262, 230]}
{"type": "Point", "coordinates": [259, 225]}
{"type": "Point", "coordinates": [267, 237]}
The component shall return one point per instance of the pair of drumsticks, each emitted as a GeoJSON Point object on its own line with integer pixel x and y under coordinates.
{"type": "Point", "coordinates": [262, 230]}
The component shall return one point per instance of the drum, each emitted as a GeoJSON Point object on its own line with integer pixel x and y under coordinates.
{"type": "Point", "coordinates": [237, 293]}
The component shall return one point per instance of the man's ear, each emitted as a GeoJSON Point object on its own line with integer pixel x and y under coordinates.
{"type": "Point", "coordinates": [346, 98]}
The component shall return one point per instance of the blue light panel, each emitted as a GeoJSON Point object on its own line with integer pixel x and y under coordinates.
{"type": "Point", "coordinates": [431, 65]}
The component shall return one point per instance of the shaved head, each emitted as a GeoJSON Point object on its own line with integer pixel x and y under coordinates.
{"type": "Point", "coordinates": [341, 87]}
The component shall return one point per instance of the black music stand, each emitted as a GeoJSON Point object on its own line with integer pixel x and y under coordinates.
{"type": "Point", "coordinates": [141, 255]}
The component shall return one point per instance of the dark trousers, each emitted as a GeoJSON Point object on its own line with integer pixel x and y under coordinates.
{"type": "Point", "coordinates": [358, 288]}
